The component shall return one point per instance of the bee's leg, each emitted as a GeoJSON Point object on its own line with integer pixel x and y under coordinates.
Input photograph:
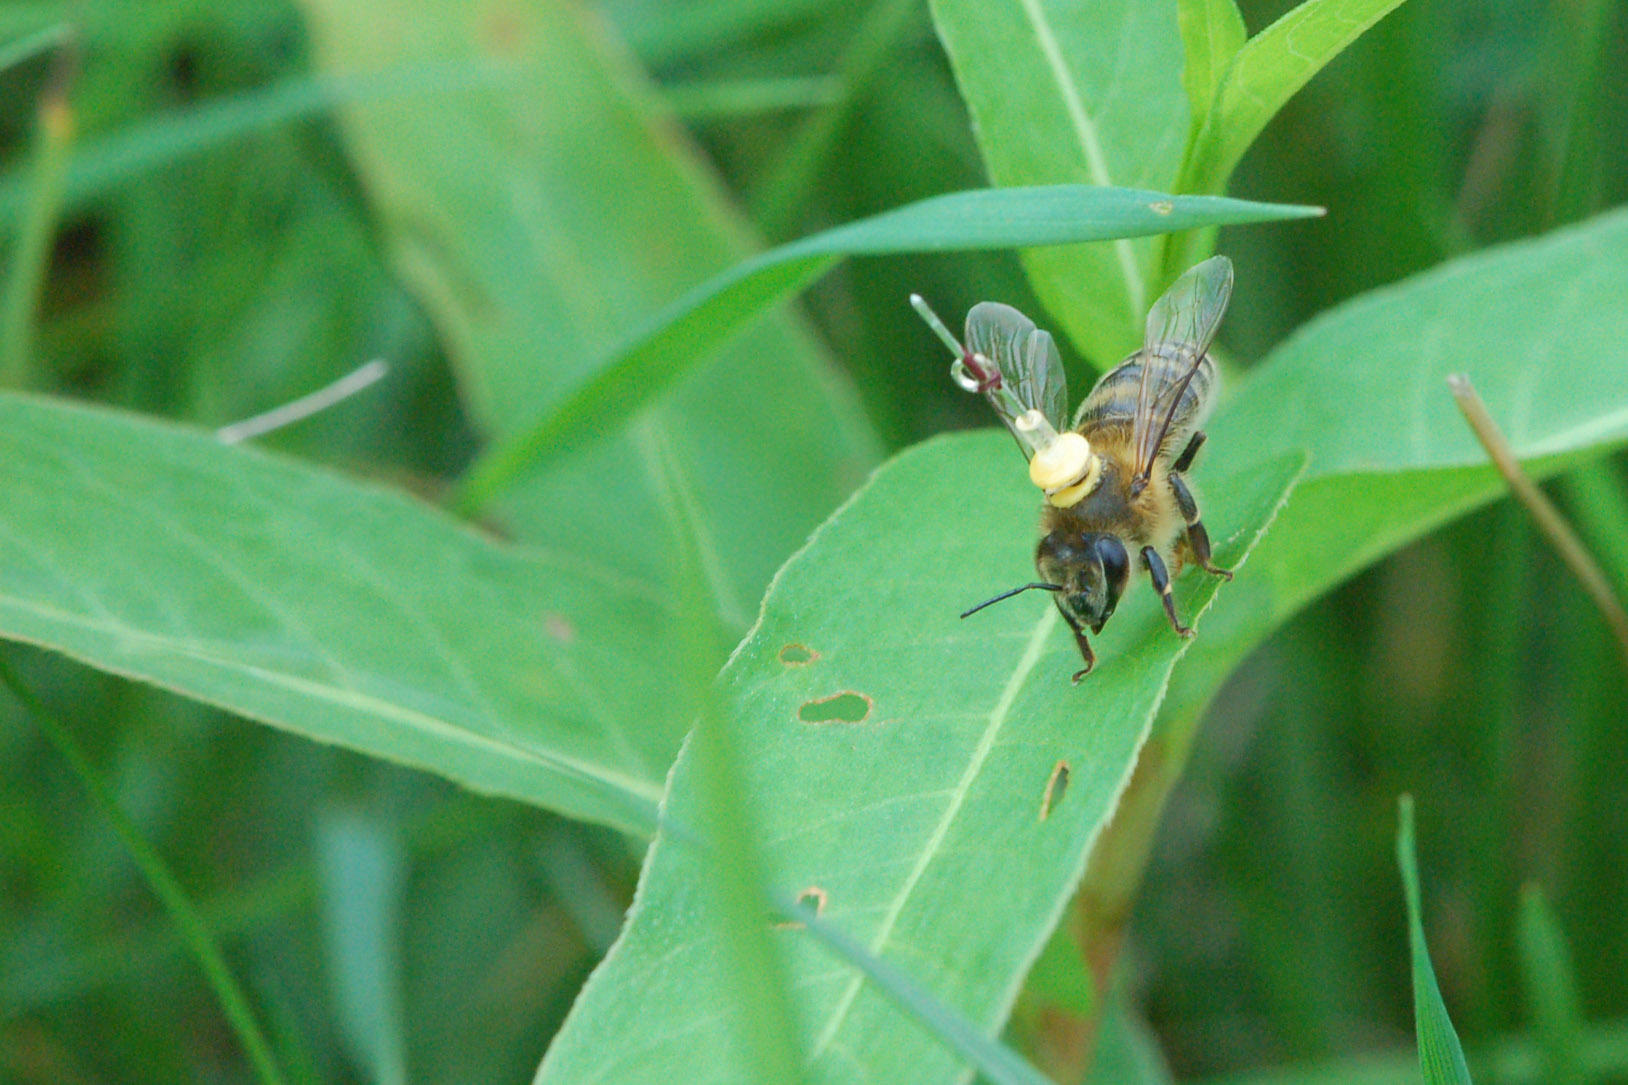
{"type": "Point", "coordinates": [1086, 653]}
{"type": "Point", "coordinates": [1198, 540]}
{"type": "Point", "coordinates": [1185, 460]}
{"type": "Point", "coordinates": [1161, 580]}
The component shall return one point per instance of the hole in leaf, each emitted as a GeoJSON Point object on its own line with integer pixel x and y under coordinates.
{"type": "Point", "coordinates": [1054, 789]}
{"type": "Point", "coordinates": [798, 655]}
{"type": "Point", "coordinates": [560, 628]}
{"type": "Point", "coordinates": [813, 899]}
{"type": "Point", "coordinates": [847, 707]}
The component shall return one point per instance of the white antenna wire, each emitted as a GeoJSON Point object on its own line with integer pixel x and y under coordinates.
{"type": "Point", "coordinates": [306, 406]}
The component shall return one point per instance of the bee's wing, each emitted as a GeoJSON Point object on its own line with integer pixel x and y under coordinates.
{"type": "Point", "coordinates": [1180, 327]}
{"type": "Point", "coordinates": [1026, 357]}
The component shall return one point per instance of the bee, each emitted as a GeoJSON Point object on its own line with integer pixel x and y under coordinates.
{"type": "Point", "coordinates": [1114, 480]}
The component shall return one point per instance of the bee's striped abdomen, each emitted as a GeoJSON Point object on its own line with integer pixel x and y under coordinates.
{"type": "Point", "coordinates": [1114, 399]}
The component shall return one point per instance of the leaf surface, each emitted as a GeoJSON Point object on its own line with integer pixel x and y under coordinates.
{"type": "Point", "coordinates": [1540, 329]}
{"type": "Point", "coordinates": [680, 336]}
{"type": "Point", "coordinates": [334, 610]}
{"type": "Point", "coordinates": [540, 217]}
{"type": "Point", "coordinates": [1212, 32]}
{"type": "Point", "coordinates": [1060, 92]}
{"type": "Point", "coordinates": [898, 761]}
{"type": "Point", "coordinates": [1265, 73]}
{"type": "Point", "coordinates": [920, 823]}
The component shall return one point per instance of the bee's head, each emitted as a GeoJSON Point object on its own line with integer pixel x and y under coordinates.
{"type": "Point", "coordinates": [1092, 569]}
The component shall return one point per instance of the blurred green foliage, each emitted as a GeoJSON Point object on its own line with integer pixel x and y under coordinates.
{"type": "Point", "coordinates": [237, 264]}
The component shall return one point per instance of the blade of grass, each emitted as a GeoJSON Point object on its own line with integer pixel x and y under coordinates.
{"type": "Point", "coordinates": [1603, 1049]}
{"type": "Point", "coordinates": [32, 45]}
{"type": "Point", "coordinates": [1551, 990]}
{"type": "Point", "coordinates": [681, 335]}
{"type": "Point", "coordinates": [1548, 518]}
{"type": "Point", "coordinates": [363, 872]}
{"type": "Point", "coordinates": [31, 257]}
{"type": "Point", "coordinates": [996, 1062]}
{"type": "Point", "coordinates": [194, 932]}
{"type": "Point", "coordinates": [1441, 1058]}
{"type": "Point", "coordinates": [764, 1025]}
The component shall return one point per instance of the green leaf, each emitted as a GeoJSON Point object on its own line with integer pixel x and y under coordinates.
{"type": "Point", "coordinates": [1441, 1058]}
{"type": "Point", "coordinates": [1127, 1051]}
{"type": "Point", "coordinates": [1363, 389]}
{"type": "Point", "coordinates": [1550, 981]}
{"type": "Point", "coordinates": [900, 762]}
{"type": "Point", "coordinates": [334, 610]}
{"type": "Point", "coordinates": [1265, 74]}
{"type": "Point", "coordinates": [997, 1063]}
{"type": "Point", "coordinates": [764, 1043]}
{"type": "Point", "coordinates": [1212, 32]}
{"type": "Point", "coordinates": [541, 219]}
{"type": "Point", "coordinates": [679, 336]}
{"type": "Point", "coordinates": [1085, 93]}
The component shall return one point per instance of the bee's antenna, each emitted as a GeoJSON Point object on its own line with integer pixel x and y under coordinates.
{"type": "Point", "coordinates": [1009, 594]}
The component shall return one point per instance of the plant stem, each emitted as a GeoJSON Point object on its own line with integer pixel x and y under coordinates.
{"type": "Point", "coordinates": [1548, 518]}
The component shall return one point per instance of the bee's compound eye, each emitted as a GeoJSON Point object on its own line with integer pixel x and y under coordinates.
{"type": "Point", "coordinates": [1116, 564]}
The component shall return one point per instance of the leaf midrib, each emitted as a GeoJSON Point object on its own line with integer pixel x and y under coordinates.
{"type": "Point", "coordinates": [986, 743]}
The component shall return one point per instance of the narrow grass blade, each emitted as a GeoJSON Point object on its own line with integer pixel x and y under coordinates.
{"type": "Point", "coordinates": [996, 1062]}
{"type": "Point", "coordinates": [762, 1025]}
{"type": "Point", "coordinates": [683, 334]}
{"type": "Point", "coordinates": [32, 45]}
{"type": "Point", "coordinates": [1441, 1058]}
{"type": "Point", "coordinates": [1551, 990]}
{"type": "Point", "coordinates": [177, 905]}
{"type": "Point", "coordinates": [363, 873]}
{"type": "Point", "coordinates": [31, 255]}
